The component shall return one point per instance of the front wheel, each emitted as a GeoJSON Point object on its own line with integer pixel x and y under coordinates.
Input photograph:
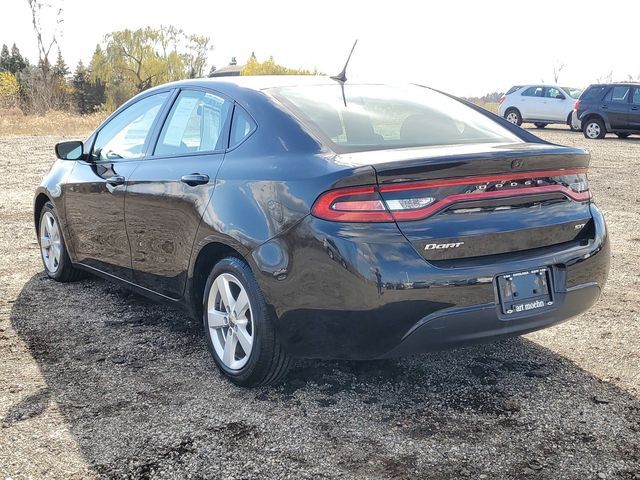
{"type": "Point", "coordinates": [238, 326]}
{"type": "Point", "coordinates": [594, 129]}
{"type": "Point", "coordinates": [623, 135]}
{"type": "Point", "coordinates": [53, 250]}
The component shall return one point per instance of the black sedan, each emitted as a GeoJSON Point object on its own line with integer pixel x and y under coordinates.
{"type": "Point", "coordinates": [299, 217]}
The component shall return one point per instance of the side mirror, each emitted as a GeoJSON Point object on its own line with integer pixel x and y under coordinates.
{"type": "Point", "coordinates": [560, 97]}
{"type": "Point", "coordinates": [72, 150]}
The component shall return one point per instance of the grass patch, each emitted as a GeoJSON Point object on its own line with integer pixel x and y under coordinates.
{"type": "Point", "coordinates": [14, 122]}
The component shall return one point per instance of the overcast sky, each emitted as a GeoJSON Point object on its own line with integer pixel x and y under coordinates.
{"type": "Point", "coordinates": [466, 48]}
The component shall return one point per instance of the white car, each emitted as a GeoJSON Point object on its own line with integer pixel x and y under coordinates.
{"type": "Point", "coordinates": [539, 104]}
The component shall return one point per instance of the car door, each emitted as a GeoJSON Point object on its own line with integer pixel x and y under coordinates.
{"type": "Point", "coordinates": [531, 102]}
{"type": "Point", "coordinates": [95, 189]}
{"type": "Point", "coordinates": [168, 192]}
{"type": "Point", "coordinates": [616, 106]}
{"type": "Point", "coordinates": [634, 112]}
{"type": "Point", "coordinates": [554, 105]}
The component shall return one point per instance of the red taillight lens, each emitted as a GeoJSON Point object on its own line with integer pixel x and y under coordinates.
{"type": "Point", "coordinates": [576, 106]}
{"type": "Point", "coordinates": [419, 200]}
{"type": "Point", "coordinates": [501, 99]}
{"type": "Point", "coordinates": [359, 204]}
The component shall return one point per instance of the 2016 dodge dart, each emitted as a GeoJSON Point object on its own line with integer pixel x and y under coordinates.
{"type": "Point", "coordinates": [308, 217]}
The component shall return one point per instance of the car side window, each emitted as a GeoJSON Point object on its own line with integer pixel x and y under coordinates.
{"type": "Point", "coordinates": [553, 93]}
{"type": "Point", "coordinates": [533, 92]}
{"type": "Point", "coordinates": [618, 95]}
{"type": "Point", "coordinates": [242, 126]}
{"type": "Point", "coordinates": [126, 134]}
{"type": "Point", "coordinates": [195, 124]}
{"type": "Point", "coordinates": [636, 96]}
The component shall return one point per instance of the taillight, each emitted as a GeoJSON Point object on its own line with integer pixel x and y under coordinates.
{"type": "Point", "coordinates": [501, 99]}
{"type": "Point", "coordinates": [419, 200]}
{"type": "Point", "coordinates": [359, 204]}
{"type": "Point", "coordinates": [576, 106]}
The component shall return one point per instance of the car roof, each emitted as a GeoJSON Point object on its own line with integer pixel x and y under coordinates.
{"type": "Point", "coordinates": [616, 84]}
{"type": "Point", "coordinates": [254, 82]}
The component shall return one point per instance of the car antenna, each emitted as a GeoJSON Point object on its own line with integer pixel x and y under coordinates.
{"type": "Point", "coordinates": [341, 78]}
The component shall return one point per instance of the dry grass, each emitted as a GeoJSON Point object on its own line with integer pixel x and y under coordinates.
{"type": "Point", "coordinates": [14, 122]}
{"type": "Point", "coordinates": [491, 106]}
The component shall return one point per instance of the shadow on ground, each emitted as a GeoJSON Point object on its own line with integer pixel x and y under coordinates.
{"type": "Point", "coordinates": [142, 399]}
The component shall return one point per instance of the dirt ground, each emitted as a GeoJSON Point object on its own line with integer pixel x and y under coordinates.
{"type": "Point", "coordinates": [96, 382]}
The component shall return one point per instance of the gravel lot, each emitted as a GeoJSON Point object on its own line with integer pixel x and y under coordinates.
{"type": "Point", "coordinates": [96, 382]}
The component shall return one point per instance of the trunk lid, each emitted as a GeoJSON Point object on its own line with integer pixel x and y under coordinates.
{"type": "Point", "coordinates": [461, 202]}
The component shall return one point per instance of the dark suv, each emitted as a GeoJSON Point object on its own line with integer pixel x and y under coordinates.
{"type": "Point", "coordinates": [610, 108]}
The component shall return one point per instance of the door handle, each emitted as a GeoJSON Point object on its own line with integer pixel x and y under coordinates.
{"type": "Point", "coordinates": [115, 180]}
{"type": "Point", "coordinates": [604, 107]}
{"type": "Point", "coordinates": [635, 108]}
{"type": "Point", "coordinates": [195, 179]}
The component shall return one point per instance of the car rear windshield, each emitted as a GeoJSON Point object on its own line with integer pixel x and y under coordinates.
{"type": "Point", "coordinates": [573, 92]}
{"type": "Point", "coordinates": [373, 117]}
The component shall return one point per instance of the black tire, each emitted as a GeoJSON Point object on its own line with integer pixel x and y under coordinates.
{"type": "Point", "coordinates": [623, 135]}
{"type": "Point", "coordinates": [516, 116]}
{"type": "Point", "coordinates": [65, 271]}
{"type": "Point", "coordinates": [540, 124]}
{"type": "Point", "coordinates": [591, 133]}
{"type": "Point", "coordinates": [268, 362]}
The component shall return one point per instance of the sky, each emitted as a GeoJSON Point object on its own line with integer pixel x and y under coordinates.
{"type": "Point", "coordinates": [465, 48]}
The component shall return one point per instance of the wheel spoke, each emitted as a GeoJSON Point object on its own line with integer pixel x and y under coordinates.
{"type": "Point", "coordinates": [229, 355]}
{"type": "Point", "coordinates": [246, 341]}
{"type": "Point", "coordinates": [242, 304]}
{"type": "Point", "coordinates": [216, 319]}
{"type": "Point", "coordinates": [225, 291]}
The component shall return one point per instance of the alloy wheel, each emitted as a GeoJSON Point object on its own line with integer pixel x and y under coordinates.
{"type": "Point", "coordinates": [593, 130]}
{"type": "Point", "coordinates": [230, 321]}
{"type": "Point", "coordinates": [50, 242]}
{"type": "Point", "coordinates": [512, 117]}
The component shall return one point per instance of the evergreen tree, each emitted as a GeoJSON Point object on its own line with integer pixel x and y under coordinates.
{"type": "Point", "coordinates": [17, 62]}
{"type": "Point", "coordinates": [5, 59]}
{"type": "Point", "coordinates": [81, 83]}
{"type": "Point", "coordinates": [60, 69]}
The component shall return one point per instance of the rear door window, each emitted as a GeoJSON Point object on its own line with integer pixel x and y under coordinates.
{"type": "Point", "coordinates": [619, 95]}
{"type": "Point", "coordinates": [533, 92]}
{"type": "Point", "coordinates": [194, 125]}
{"type": "Point", "coordinates": [636, 96]}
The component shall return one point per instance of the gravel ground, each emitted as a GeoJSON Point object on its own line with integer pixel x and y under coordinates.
{"type": "Point", "coordinates": [97, 382]}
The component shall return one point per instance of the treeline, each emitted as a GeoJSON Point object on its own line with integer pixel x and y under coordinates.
{"type": "Point", "coordinates": [124, 64]}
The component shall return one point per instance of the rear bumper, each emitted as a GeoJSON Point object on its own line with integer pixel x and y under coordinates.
{"type": "Point", "coordinates": [482, 323]}
{"type": "Point", "coordinates": [364, 292]}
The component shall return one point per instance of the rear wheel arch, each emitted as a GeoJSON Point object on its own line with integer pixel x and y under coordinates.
{"type": "Point", "coordinates": [208, 256]}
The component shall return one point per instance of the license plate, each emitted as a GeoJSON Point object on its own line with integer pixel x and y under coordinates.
{"type": "Point", "coordinates": [527, 291]}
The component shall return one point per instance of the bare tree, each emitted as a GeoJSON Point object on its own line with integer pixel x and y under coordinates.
{"type": "Point", "coordinates": [557, 68]}
{"type": "Point", "coordinates": [43, 94]}
{"type": "Point", "coordinates": [606, 78]}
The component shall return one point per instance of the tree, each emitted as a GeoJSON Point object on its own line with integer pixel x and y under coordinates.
{"type": "Point", "coordinates": [557, 68]}
{"type": "Point", "coordinates": [135, 60]}
{"type": "Point", "coordinates": [9, 90]}
{"type": "Point", "coordinates": [5, 59]}
{"type": "Point", "coordinates": [42, 94]}
{"type": "Point", "coordinates": [88, 95]}
{"type": "Point", "coordinates": [17, 62]}
{"type": "Point", "coordinates": [270, 67]}
{"type": "Point", "coordinates": [60, 69]}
